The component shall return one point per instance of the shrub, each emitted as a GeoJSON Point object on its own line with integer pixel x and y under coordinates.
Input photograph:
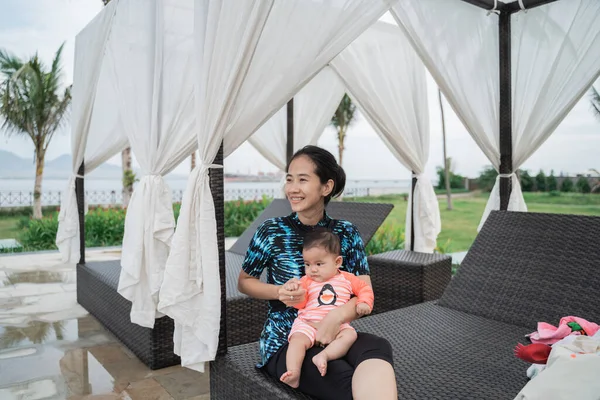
{"type": "Point", "coordinates": [103, 227]}
{"type": "Point", "coordinates": [487, 179]}
{"type": "Point", "coordinates": [583, 185]}
{"type": "Point", "coordinates": [40, 233]}
{"type": "Point", "coordinates": [540, 181]}
{"type": "Point", "coordinates": [456, 181]}
{"type": "Point", "coordinates": [444, 248]}
{"type": "Point", "coordinates": [387, 238]}
{"type": "Point", "coordinates": [240, 214]}
{"type": "Point", "coordinates": [551, 183]}
{"type": "Point", "coordinates": [567, 185]}
{"type": "Point", "coordinates": [106, 226]}
{"type": "Point", "coordinates": [527, 181]}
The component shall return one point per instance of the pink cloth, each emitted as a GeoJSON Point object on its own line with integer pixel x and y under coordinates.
{"type": "Point", "coordinates": [550, 334]}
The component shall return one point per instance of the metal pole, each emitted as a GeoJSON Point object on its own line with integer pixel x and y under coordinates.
{"type": "Point", "coordinates": [80, 195]}
{"type": "Point", "coordinates": [412, 212]}
{"type": "Point", "coordinates": [290, 130]}
{"type": "Point", "coordinates": [446, 166]}
{"type": "Point", "coordinates": [217, 190]}
{"type": "Point", "coordinates": [506, 164]}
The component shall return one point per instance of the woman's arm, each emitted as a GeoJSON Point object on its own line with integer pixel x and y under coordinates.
{"type": "Point", "coordinates": [253, 287]}
{"type": "Point", "coordinates": [329, 326]}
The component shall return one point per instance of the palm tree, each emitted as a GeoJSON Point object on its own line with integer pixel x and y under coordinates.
{"type": "Point", "coordinates": [446, 159]}
{"type": "Point", "coordinates": [36, 332]}
{"type": "Point", "coordinates": [595, 100]}
{"type": "Point", "coordinates": [341, 120]}
{"type": "Point", "coordinates": [128, 175]}
{"type": "Point", "coordinates": [31, 104]}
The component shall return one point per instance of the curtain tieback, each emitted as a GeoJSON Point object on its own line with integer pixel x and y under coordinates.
{"type": "Point", "coordinates": [495, 9]}
{"type": "Point", "coordinates": [203, 168]}
{"type": "Point", "coordinates": [507, 175]}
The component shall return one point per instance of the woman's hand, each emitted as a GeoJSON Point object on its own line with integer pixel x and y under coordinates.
{"type": "Point", "coordinates": [329, 327]}
{"type": "Point", "coordinates": [292, 293]}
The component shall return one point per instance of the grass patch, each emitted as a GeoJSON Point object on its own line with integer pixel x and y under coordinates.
{"type": "Point", "coordinates": [459, 226]}
{"type": "Point", "coordinates": [9, 227]}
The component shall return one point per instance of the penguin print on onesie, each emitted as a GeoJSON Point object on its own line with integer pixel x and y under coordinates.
{"type": "Point", "coordinates": [326, 288]}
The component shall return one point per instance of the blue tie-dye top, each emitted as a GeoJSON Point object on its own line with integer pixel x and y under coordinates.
{"type": "Point", "coordinates": [277, 246]}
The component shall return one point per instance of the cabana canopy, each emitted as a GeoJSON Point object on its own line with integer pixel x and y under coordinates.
{"type": "Point", "coordinates": [187, 74]}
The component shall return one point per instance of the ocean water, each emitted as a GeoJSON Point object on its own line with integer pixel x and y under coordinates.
{"type": "Point", "coordinates": [16, 192]}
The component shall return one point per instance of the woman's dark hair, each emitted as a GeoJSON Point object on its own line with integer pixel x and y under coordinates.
{"type": "Point", "coordinates": [326, 168]}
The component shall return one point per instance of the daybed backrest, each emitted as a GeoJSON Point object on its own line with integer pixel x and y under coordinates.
{"type": "Point", "coordinates": [367, 217]}
{"type": "Point", "coordinates": [530, 267]}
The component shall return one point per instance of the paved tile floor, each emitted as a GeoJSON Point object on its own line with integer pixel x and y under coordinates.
{"type": "Point", "coordinates": [51, 348]}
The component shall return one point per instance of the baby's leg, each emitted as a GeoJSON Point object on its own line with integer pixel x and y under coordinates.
{"type": "Point", "coordinates": [298, 344]}
{"type": "Point", "coordinates": [336, 349]}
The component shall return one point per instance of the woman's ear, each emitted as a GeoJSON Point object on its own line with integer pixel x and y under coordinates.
{"type": "Point", "coordinates": [328, 188]}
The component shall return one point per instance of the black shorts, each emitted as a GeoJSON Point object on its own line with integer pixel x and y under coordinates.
{"type": "Point", "coordinates": [337, 383]}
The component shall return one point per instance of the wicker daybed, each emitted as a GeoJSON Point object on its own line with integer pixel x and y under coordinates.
{"type": "Point", "coordinates": [522, 268]}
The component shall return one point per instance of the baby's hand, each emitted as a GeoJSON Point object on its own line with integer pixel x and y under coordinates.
{"type": "Point", "coordinates": [291, 285]}
{"type": "Point", "coordinates": [363, 309]}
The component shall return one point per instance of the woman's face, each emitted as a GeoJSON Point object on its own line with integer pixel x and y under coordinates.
{"type": "Point", "coordinates": [303, 188]}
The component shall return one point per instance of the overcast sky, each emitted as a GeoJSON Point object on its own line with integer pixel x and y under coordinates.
{"type": "Point", "coordinates": [27, 26]}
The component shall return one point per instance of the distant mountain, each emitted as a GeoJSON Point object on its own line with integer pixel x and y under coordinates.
{"type": "Point", "coordinates": [14, 167]}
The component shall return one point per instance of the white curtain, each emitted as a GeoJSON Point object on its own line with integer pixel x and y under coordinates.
{"type": "Point", "coordinates": [225, 36]}
{"type": "Point", "coordinates": [386, 79]}
{"type": "Point", "coordinates": [314, 105]}
{"type": "Point", "coordinates": [555, 59]}
{"type": "Point", "coordinates": [252, 58]}
{"type": "Point", "coordinates": [149, 67]}
{"type": "Point", "coordinates": [554, 51]}
{"type": "Point", "coordinates": [458, 43]}
{"type": "Point", "coordinates": [89, 52]}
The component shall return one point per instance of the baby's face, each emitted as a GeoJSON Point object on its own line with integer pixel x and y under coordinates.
{"type": "Point", "coordinates": [319, 264]}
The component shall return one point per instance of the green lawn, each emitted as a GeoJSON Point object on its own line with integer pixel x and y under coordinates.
{"type": "Point", "coordinates": [460, 225]}
{"type": "Point", "coordinates": [8, 227]}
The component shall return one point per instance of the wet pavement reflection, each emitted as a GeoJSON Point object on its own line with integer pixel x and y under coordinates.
{"type": "Point", "coordinates": [51, 348]}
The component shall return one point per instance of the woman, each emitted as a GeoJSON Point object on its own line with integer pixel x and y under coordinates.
{"type": "Point", "coordinates": [366, 372]}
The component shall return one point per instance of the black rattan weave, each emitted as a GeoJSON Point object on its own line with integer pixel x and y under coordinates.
{"type": "Point", "coordinates": [522, 268]}
{"type": "Point", "coordinates": [97, 292]}
{"type": "Point", "coordinates": [403, 278]}
{"type": "Point", "coordinates": [439, 353]}
{"type": "Point", "coordinates": [367, 217]}
{"type": "Point", "coordinates": [530, 267]}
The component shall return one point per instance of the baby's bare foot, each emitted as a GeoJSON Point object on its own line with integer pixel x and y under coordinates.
{"type": "Point", "coordinates": [291, 378]}
{"type": "Point", "coordinates": [320, 360]}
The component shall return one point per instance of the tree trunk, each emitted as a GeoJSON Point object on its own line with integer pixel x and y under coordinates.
{"type": "Point", "coordinates": [342, 136]}
{"type": "Point", "coordinates": [127, 188]}
{"type": "Point", "coordinates": [37, 188]}
{"type": "Point", "coordinates": [446, 163]}
{"type": "Point", "coordinates": [193, 161]}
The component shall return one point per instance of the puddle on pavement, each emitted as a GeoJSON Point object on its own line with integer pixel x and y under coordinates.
{"type": "Point", "coordinates": [37, 332]}
{"type": "Point", "coordinates": [65, 351]}
{"type": "Point", "coordinates": [14, 278]}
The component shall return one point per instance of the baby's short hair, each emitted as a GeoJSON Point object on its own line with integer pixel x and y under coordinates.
{"type": "Point", "coordinates": [325, 238]}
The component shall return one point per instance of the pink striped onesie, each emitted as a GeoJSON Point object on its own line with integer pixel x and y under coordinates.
{"type": "Point", "coordinates": [322, 297]}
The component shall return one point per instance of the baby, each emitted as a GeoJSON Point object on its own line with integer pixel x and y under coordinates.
{"type": "Point", "coordinates": [326, 288]}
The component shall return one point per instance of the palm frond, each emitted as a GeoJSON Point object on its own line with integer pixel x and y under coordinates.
{"type": "Point", "coordinates": [595, 100]}
{"type": "Point", "coordinates": [31, 98]}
